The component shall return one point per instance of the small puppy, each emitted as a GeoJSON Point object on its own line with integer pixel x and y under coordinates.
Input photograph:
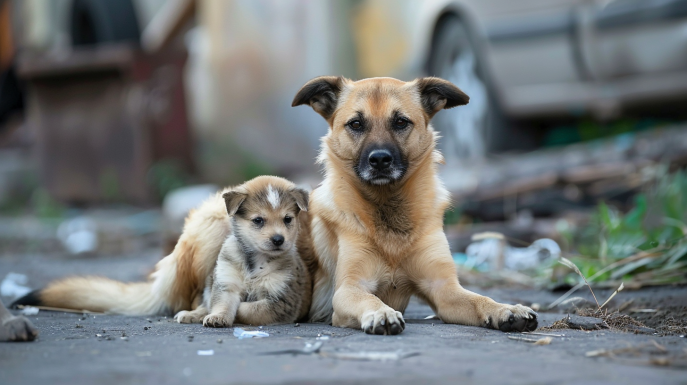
{"type": "Point", "coordinates": [259, 277]}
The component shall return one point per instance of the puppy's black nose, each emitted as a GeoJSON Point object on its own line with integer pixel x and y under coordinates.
{"type": "Point", "coordinates": [277, 240]}
{"type": "Point", "coordinates": [380, 159]}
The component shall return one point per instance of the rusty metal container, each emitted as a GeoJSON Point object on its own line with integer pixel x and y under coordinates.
{"type": "Point", "coordinates": [103, 116]}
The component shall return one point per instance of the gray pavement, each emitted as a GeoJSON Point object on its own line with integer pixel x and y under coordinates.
{"type": "Point", "coordinates": [77, 349]}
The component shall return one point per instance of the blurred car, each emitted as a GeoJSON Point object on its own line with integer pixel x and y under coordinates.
{"type": "Point", "coordinates": [532, 59]}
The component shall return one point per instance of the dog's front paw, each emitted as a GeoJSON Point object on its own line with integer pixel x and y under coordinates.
{"type": "Point", "coordinates": [217, 321]}
{"type": "Point", "coordinates": [188, 317]}
{"type": "Point", "coordinates": [512, 318]}
{"type": "Point", "coordinates": [385, 321]}
{"type": "Point", "coordinates": [17, 329]}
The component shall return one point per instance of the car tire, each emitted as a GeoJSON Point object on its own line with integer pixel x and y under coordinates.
{"type": "Point", "coordinates": [95, 22]}
{"type": "Point", "coordinates": [474, 131]}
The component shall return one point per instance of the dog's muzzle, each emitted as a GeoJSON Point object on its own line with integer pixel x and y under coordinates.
{"type": "Point", "coordinates": [380, 166]}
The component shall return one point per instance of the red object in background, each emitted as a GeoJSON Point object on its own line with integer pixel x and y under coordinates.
{"type": "Point", "coordinates": [103, 116]}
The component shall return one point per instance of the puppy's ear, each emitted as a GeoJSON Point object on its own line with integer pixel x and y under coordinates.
{"type": "Point", "coordinates": [233, 200]}
{"type": "Point", "coordinates": [437, 94]}
{"type": "Point", "coordinates": [302, 198]}
{"type": "Point", "coordinates": [322, 94]}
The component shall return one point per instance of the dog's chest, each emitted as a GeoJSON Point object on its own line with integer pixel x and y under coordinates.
{"type": "Point", "coordinates": [266, 279]}
{"type": "Point", "coordinates": [392, 216]}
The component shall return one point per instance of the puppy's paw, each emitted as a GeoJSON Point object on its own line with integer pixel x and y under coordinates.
{"type": "Point", "coordinates": [512, 318]}
{"type": "Point", "coordinates": [188, 317]}
{"type": "Point", "coordinates": [217, 321]}
{"type": "Point", "coordinates": [385, 321]}
{"type": "Point", "coordinates": [17, 329]}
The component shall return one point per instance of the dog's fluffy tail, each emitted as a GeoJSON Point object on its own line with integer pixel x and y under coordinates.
{"type": "Point", "coordinates": [177, 283]}
{"type": "Point", "coordinates": [97, 294]}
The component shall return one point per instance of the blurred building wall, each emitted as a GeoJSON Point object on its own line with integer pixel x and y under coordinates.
{"type": "Point", "coordinates": [248, 59]}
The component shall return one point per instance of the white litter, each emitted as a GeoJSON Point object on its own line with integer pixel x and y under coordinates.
{"type": "Point", "coordinates": [13, 286]}
{"type": "Point", "coordinates": [78, 235]}
{"type": "Point", "coordinates": [206, 352]}
{"type": "Point", "coordinates": [29, 310]}
{"type": "Point", "coordinates": [491, 251]}
{"type": "Point", "coordinates": [242, 334]}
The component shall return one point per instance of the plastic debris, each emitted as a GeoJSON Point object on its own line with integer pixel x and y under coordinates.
{"type": "Point", "coordinates": [29, 310]}
{"type": "Point", "coordinates": [242, 334]}
{"type": "Point", "coordinates": [13, 285]}
{"type": "Point", "coordinates": [491, 251]}
{"type": "Point", "coordinates": [308, 349]}
{"type": "Point", "coordinates": [370, 356]}
{"type": "Point", "coordinates": [78, 235]}
{"type": "Point", "coordinates": [210, 352]}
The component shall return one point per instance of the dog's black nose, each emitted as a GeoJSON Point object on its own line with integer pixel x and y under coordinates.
{"type": "Point", "coordinates": [277, 240]}
{"type": "Point", "coordinates": [380, 159]}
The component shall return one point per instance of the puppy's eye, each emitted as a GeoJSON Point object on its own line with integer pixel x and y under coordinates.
{"type": "Point", "coordinates": [287, 219]}
{"type": "Point", "coordinates": [355, 125]}
{"type": "Point", "coordinates": [401, 123]}
{"type": "Point", "coordinates": [259, 221]}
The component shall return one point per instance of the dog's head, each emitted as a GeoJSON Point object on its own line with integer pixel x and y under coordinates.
{"type": "Point", "coordinates": [379, 126]}
{"type": "Point", "coordinates": [265, 213]}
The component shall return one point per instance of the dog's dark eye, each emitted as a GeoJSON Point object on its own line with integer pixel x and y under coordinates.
{"type": "Point", "coordinates": [287, 219]}
{"type": "Point", "coordinates": [401, 123]}
{"type": "Point", "coordinates": [355, 125]}
{"type": "Point", "coordinates": [259, 221]}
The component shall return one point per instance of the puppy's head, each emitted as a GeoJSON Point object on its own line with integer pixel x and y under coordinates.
{"type": "Point", "coordinates": [265, 213]}
{"type": "Point", "coordinates": [379, 127]}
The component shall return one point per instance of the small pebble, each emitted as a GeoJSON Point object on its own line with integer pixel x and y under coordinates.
{"type": "Point", "coordinates": [297, 325]}
{"type": "Point", "coordinates": [79, 326]}
{"type": "Point", "coordinates": [219, 341]}
{"type": "Point", "coordinates": [124, 338]}
{"type": "Point", "coordinates": [145, 328]}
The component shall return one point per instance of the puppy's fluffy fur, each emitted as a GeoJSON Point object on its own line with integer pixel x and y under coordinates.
{"type": "Point", "coordinates": [377, 219]}
{"type": "Point", "coordinates": [180, 278]}
{"type": "Point", "coordinates": [259, 278]}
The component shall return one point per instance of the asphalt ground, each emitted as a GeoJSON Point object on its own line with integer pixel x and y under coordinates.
{"type": "Point", "coordinates": [74, 348]}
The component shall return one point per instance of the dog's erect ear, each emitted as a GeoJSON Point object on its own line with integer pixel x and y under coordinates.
{"type": "Point", "coordinates": [437, 94]}
{"type": "Point", "coordinates": [302, 197]}
{"type": "Point", "coordinates": [233, 200]}
{"type": "Point", "coordinates": [321, 94]}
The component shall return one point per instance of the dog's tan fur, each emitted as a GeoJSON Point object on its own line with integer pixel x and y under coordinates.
{"type": "Point", "coordinates": [377, 242]}
{"type": "Point", "coordinates": [178, 280]}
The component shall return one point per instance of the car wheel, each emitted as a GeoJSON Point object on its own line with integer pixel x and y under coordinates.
{"type": "Point", "coordinates": [473, 131]}
{"type": "Point", "coordinates": [95, 22]}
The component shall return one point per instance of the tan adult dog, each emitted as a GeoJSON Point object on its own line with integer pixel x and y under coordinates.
{"type": "Point", "coordinates": [377, 219]}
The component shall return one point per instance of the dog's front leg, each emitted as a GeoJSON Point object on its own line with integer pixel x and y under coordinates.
{"type": "Point", "coordinates": [355, 305]}
{"type": "Point", "coordinates": [435, 275]}
{"type": "Point", "coordinates": [224, 299]}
